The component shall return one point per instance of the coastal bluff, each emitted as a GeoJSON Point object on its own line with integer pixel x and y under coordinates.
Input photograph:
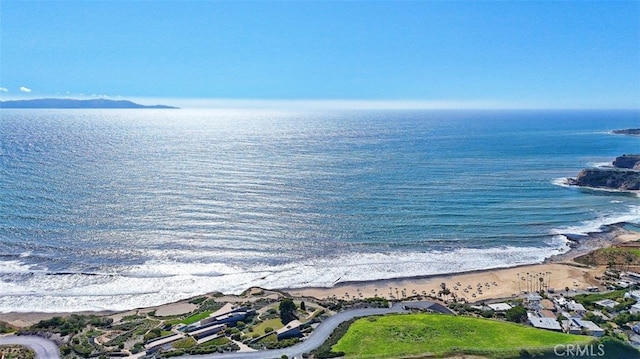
{"type": "Point", "coordinates": [623, 175]}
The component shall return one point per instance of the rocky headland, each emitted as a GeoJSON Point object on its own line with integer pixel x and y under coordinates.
{"type": "Point", "coordinates": [624, 175]}
{"type": "Point", "coordinates": [64, 103]}
{"type": "Point", "coordinates": [628, 131]}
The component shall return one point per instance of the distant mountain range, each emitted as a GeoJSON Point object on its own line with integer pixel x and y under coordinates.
{"type": "Point", "coordinates": [72, 103]}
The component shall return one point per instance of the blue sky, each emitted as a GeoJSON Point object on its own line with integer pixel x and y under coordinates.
{"type": "Point", "coordinates": [540, 54]}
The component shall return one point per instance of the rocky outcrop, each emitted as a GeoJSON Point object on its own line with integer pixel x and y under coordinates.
{"type": "Point", "coordinates": [627, 161]}
{"type": "Point", "coordinates": [627, 180]}
{"type": "Point", "coordinates": [625, 175]}
{"type": "Point", "coordinates": [628, 131]}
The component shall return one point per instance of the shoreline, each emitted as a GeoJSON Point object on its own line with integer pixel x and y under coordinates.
{"type": "Point", "coordinates": [559, 272]}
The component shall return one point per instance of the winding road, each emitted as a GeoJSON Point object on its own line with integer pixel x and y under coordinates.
{"type": "Point", "coordinates": [44, 348]}
{"type": "Point", "coordinates": [320, 334]}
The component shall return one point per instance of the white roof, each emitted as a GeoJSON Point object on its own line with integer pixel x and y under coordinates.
{"type": "Point", "coordinates": [587, 324]}
{"type": "Point", "coordinates": [573, 305]}
{"type": "Point", "coordinates": [545, 323]}
{"type": "Point", "coordinates": [498, 307]}
{"type": "Point", "coordinates": [607, 303]}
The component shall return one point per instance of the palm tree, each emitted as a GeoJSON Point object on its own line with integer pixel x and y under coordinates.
{"type": "Point", "coordinates": [541, 279]}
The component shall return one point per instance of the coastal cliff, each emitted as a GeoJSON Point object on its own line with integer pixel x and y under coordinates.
{"type": "Point", "coordinates": [624, 175]}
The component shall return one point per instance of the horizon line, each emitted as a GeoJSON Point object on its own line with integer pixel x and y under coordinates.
{"type": "Point", "coordinates": [324, 104]}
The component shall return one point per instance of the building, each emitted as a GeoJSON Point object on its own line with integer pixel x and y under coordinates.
{"type": "Point", "coordinates": [576, 307]}
{"type": "Point", "coordinates": [207, 331]}
{"type": "Point", "coordinates": [546, 313]}
{"type": "Point", "coordinates": [634, 294]}
{"type": "Point", "coordinates": [533, 300]}
{"type": "Point", "coordinates": [635, 309]}
{"type": "Point", "coordinates": [158, 343]}
{"type": "Point", "coordinates": [542, 322]}
{"type": "Point", "coordinates": [545, 323]}
{"type": "Point", "coordinates": [547, 304]}
{"type": "Point", "coordinates": [292, 329]}
{"type": "Point", "coordinates": [607, 303]}
{"type": "Point", "coordinates": [579, 326]}
{"type": "Point", "coordinates": [499, 307]}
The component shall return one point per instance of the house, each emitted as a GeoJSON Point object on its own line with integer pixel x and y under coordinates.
{"type": "Point", "coordinates": [207, 331]}
{"type": "Point", "coordinates": [579, 326]}
{"type": "Point", "coordinates": [635, 309]}
{"type": "Point", "coordinates": [607, 303]}
{"type": "Point", "coordinates": [547, 304]}
{"type": "Point", "coordinates": [542, 322]}
{"type": "Point", "coordinates": [292, 329]}
{"type": "Point", "coordinates": [545, 323]}
{"type": "Point", "coordinates": [499, 307]}
{"type": "Point", "coordinates": [158, 343]}
{"type": "Point", "coordinates": [576, 307]}
{"type": "Point", "coordinates": [532, 301]}
{"type": "Point", "coordinates": [225, 311]}
{"type": "Point", "coordinates": [634, 294]}
{"type": "Point", "coordinates": [547, 314]}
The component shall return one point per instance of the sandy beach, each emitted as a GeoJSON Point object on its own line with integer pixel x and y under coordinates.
{"type": "Point", "coordinates": [473, 286]}
{"type": "Point", "coordinates": [557, 274]}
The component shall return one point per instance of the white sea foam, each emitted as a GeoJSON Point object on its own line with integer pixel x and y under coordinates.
{"type": "Point", "coordinates": [595, 225]}
{"type": "Point", "coordinates": [158, 282]}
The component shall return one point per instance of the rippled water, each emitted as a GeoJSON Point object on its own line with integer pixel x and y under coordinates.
{"type": "Point", "coordinates": [110, 209]}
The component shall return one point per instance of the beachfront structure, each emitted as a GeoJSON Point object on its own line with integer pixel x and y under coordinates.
{"type": "Point", "coordinates": [579, 326]}
{"type": "Point", "coordinates": [607, 303]}
{"type": "Point", "coordinates": [499, 307]}
{"type": "Point", "coordinates": [292, 329]}
{"type": "Point", "coordinates": [543, 322]}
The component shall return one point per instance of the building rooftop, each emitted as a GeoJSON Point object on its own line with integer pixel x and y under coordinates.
{"type": "Point", "coordinates": [499, 307]}
{"type": "Point", "coordinates": [291, 325]}
{"type": "Point", "coordinates": [545, 323]}
{"type": "Point", "coordinates": [607, 303]}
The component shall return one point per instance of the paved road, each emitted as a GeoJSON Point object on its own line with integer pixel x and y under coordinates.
{"type": "Point", "coordinates": [45, 349]}
{"type": "Point", "coordinates": [317, 337]}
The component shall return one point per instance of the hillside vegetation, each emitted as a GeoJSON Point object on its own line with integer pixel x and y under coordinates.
{"type": "Point", "coordinates": [394, 336]}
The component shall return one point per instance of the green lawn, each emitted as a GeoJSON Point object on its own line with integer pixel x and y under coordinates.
{"type": "Point", "coordinates": [273, 323]}
{"type": "Point", "coordinates": [392, 336]}
{"type": "Point", "coordinates": [194, 318]}
{"type": "Point", "coordinates": [591, 298]}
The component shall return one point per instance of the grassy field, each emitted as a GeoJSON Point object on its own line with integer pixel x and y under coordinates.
{"type": "Point", "coordinates": [393, 336]}
{"type": "Point", "coordinates": [273, 323]}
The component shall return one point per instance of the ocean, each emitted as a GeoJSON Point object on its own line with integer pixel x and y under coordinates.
{"type": "Point", "coordinates": [118, 209]}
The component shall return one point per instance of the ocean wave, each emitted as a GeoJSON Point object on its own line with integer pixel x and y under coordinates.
{"type": "Point", "coordinates": [135, 287]}
{"type": "Point", "coordinates": [597, 224]}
